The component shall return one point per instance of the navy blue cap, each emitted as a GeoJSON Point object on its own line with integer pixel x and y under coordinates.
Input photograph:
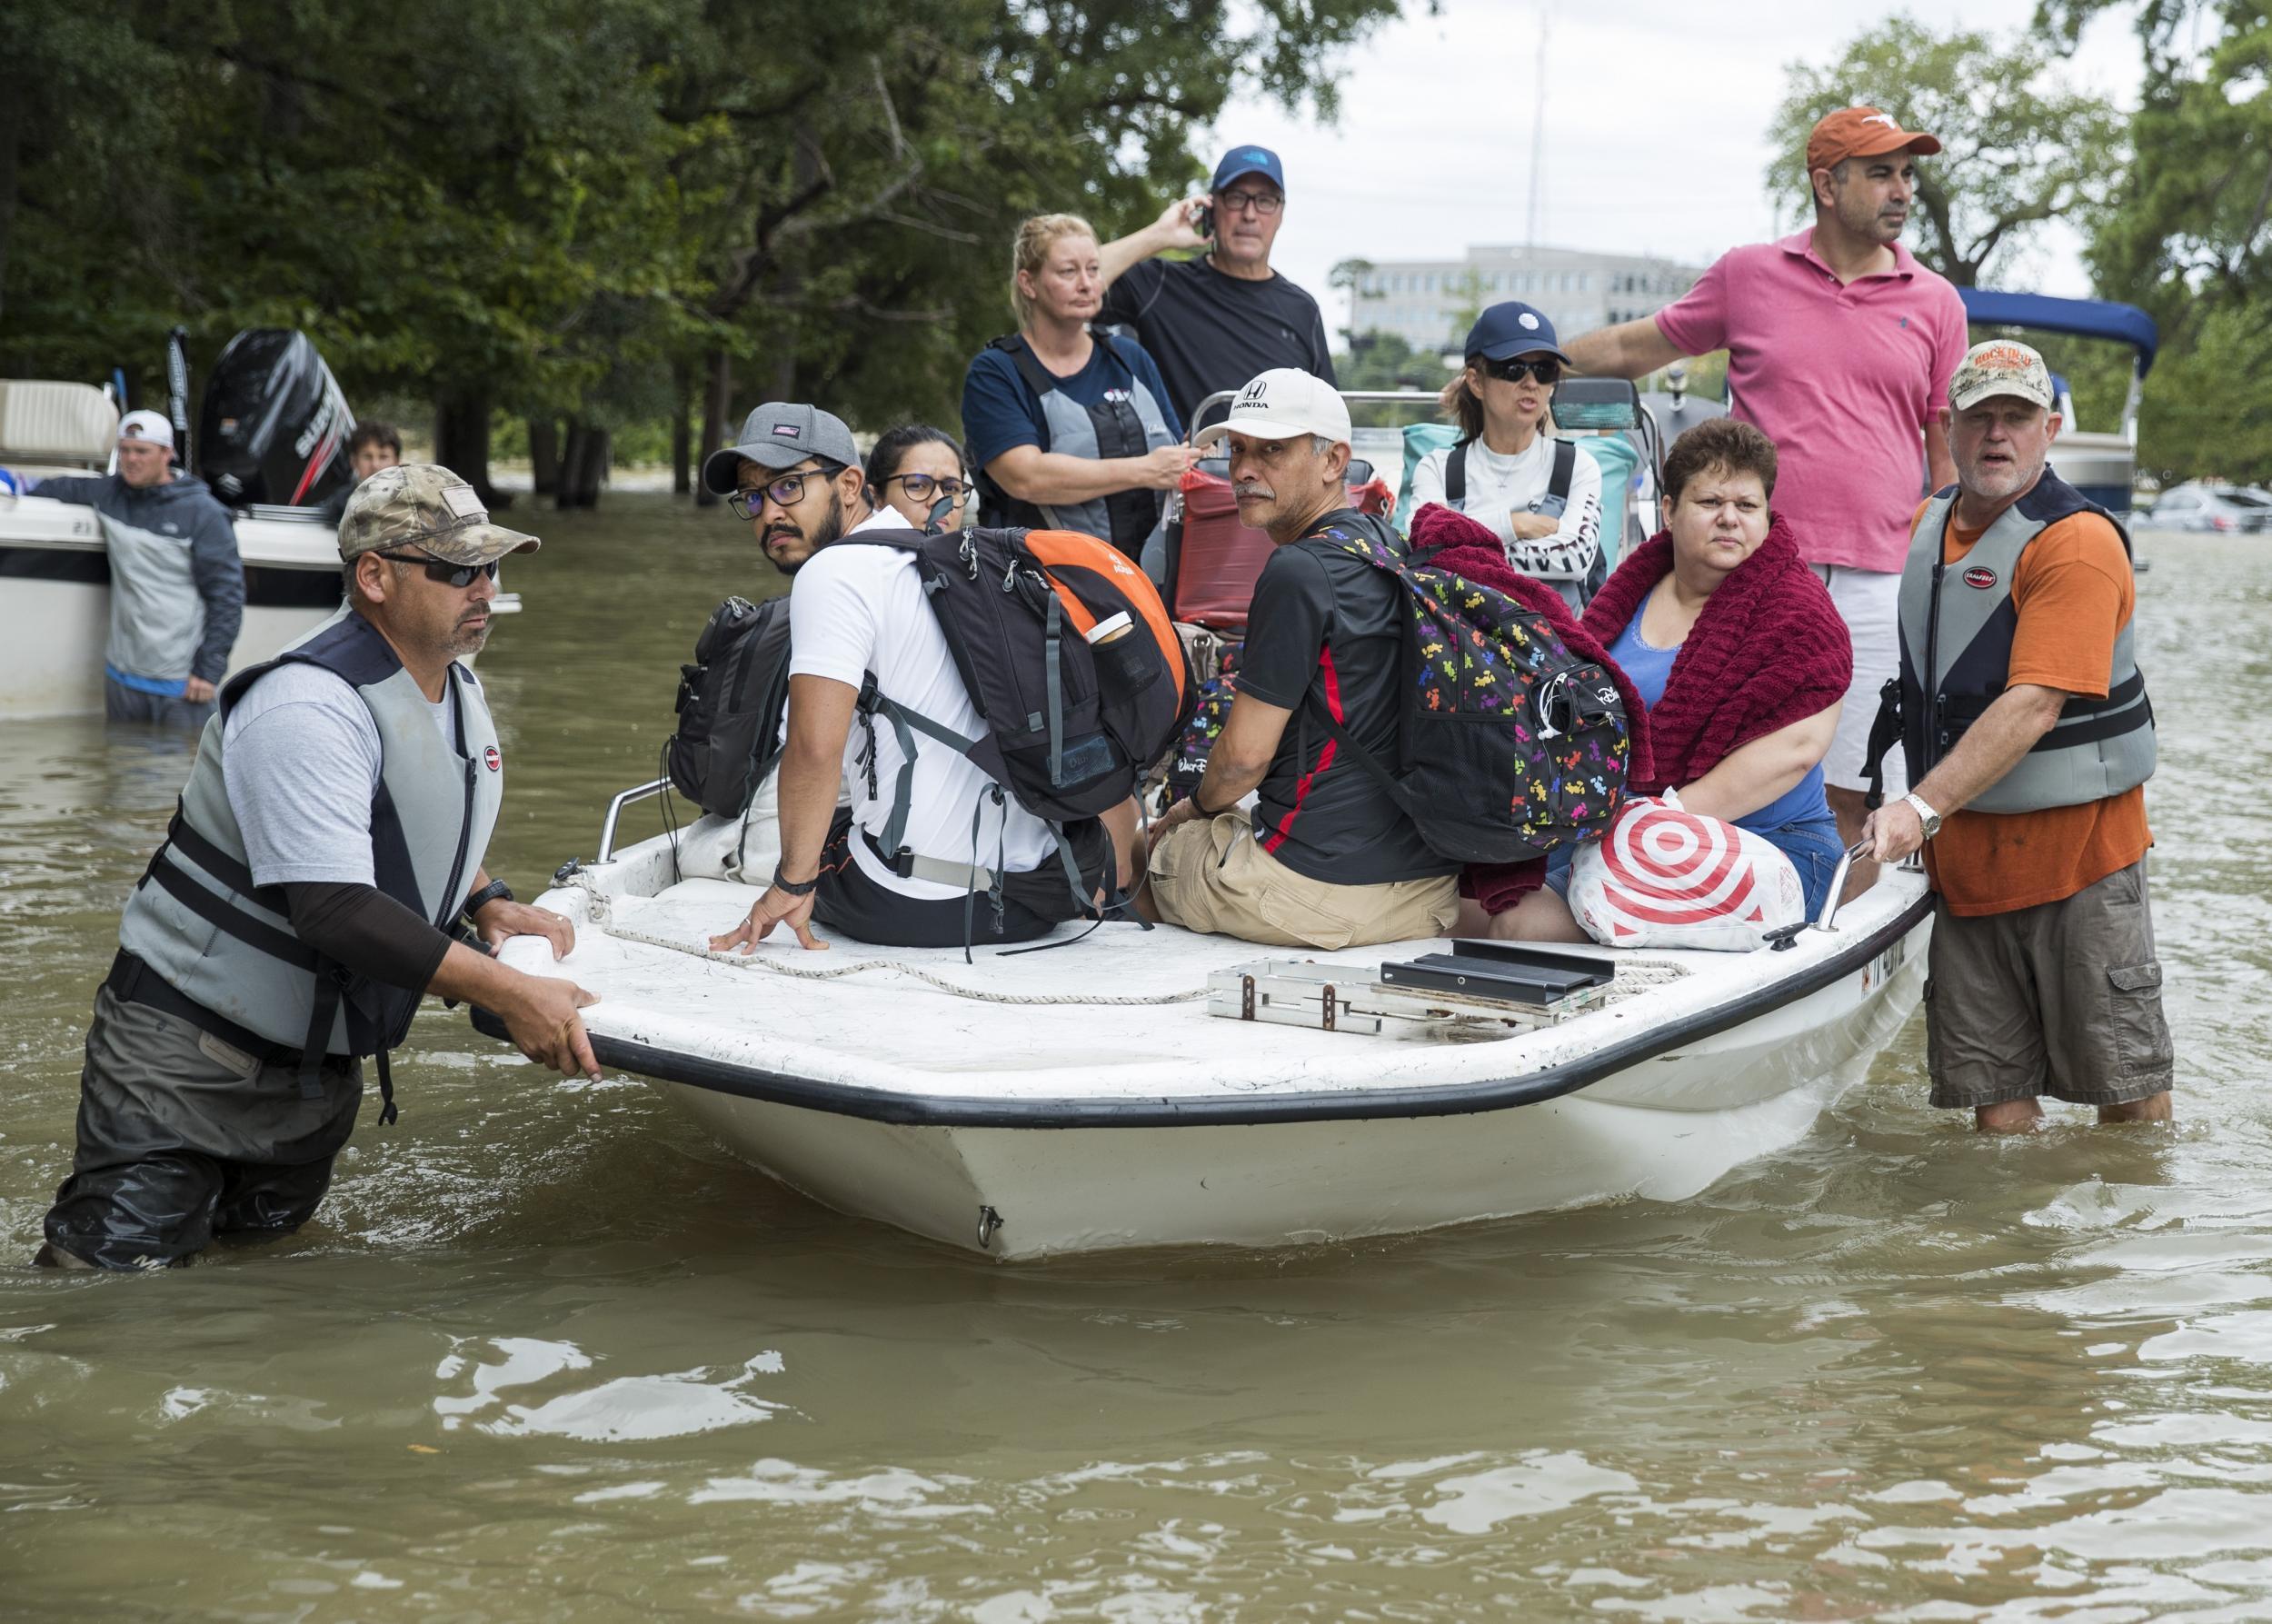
{"type": "Point", "coordinates": [1248, 160]}
{"type": "Point", "coordinates": [1513, 328]}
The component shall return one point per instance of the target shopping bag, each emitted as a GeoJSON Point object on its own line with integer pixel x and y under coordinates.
{"type": "Point", "coordinates": [1664, 877]}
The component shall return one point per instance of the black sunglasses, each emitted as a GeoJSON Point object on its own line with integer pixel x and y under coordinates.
{"type": "Point", "coordinates": [446, 572]}
{"type": "Point", "coordinates": [921, 486]}
{"type": "Point", "coordinates": [787, 491]}
{"type": "Point", "coordinates": [1516, 368]}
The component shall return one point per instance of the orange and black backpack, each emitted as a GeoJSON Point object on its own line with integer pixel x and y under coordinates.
{"type": "Point", "coordinates": [1071, 725]}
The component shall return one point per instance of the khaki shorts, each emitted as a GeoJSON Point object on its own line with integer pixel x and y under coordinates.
{"type": "Point", "coordinates": [2062, 999]}
{"type": "Point", "coordinates": [1212, 876]}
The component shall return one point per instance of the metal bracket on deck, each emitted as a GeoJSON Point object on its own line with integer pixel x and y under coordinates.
{"type": "Point", "coordinates": [988, 1221]}
{"type": "Point", "coordinates": [615, 810]}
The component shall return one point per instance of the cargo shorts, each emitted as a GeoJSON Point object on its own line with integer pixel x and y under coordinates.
{"type": "Point", "coordinates": [1211, 875]}
{"type": "Point", "coordinates": [2062, 999]}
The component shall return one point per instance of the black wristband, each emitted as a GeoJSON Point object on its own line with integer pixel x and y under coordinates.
{"type": "Point", "coordinates": [496, 890]}
{"type": "Point", "coordinates": [795, 888]}
{"type": "Point", "coordinates": [1200, 806]}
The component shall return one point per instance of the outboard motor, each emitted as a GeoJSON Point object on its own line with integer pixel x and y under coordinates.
{"type": "Point", "coordinates": [274, 425]}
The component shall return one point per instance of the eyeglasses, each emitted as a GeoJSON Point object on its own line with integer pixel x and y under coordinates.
{"type": "Point", "coordinates": [922, 486]}
{"type": "Point", "coordinates": [1262, 203]}
{"type": "Point", "coordinates": [441, 569]}
{"type": "Point", "coordinates": [787, 491]}
{"type": "Point", "coordinates": [1513, 370]}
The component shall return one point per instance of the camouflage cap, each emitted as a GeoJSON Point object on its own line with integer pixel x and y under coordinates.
{"type": "Point", "coordinates": [2001, 366]}
{"type": "Point", "coordinates": [425, 506]}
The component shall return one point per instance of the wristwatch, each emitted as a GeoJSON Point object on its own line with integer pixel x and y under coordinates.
{"type": "Point", "coordinates": [795, 888]}
{"type": "Point", "coordinates": [1925, 814]}
{"type": "Point", "coordinates": [496, 890]}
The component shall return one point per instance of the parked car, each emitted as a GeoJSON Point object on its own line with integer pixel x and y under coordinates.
{"type": "Point", "coordinates": [2220, 508]}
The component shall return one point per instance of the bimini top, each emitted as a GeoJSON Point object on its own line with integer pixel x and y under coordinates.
{"type": "Point", "coordinates": [2084, 318]}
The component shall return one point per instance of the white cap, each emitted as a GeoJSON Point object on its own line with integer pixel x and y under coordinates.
{"type": "Point", "coordinates": [1279, 404]}
{"type": "Point", "coordinates": [153, 428]}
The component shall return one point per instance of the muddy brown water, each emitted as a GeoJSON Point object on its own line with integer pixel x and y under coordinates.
{"type": "Point", "coordinates": [548, 1353]}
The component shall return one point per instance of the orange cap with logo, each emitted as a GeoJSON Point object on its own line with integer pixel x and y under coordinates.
{"type": "Point", "coordinates": [1862, 133]}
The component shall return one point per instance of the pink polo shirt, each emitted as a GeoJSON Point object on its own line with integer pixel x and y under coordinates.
{"type": "Point", "coordinates": [1843, 380]}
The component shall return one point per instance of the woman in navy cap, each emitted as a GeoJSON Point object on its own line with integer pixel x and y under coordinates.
{"type": "Point", "coordinates": [1538, 494]}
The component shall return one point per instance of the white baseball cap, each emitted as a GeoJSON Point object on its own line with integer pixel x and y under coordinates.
{"type": "Point", "coordinates": [152, 428]}
{"type": "Point", "coordinates": [1279, 404]}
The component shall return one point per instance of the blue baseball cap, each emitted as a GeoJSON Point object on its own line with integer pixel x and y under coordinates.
{"type": "Point", "coordinates": [1248, 160]}
{"type": "Point", "coordinates": [1513, 328]}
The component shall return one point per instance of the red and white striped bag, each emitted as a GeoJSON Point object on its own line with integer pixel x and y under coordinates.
{"type": "Point", "coordinates": [1665, 877]}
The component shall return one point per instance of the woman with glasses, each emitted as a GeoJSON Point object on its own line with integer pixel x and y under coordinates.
{"type": "Point", "coordinates": [1540, 495]}
{"type": "Point", "coordinates": [1070, 432]}
{"type": "Point", "coordinates": [919, 473]}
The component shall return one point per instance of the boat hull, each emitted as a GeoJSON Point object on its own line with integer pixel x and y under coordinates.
{"type": "Point", "coordinates": [1663, 1128]}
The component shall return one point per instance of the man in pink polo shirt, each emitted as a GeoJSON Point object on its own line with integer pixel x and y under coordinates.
{"type": "Point", "coordinates": [1840, 347]}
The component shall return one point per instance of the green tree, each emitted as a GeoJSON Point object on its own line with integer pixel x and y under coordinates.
{"type": "Point", "coordinates": [2019, 146]}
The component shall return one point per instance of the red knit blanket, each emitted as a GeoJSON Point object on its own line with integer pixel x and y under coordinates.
{"type": "Point", "coordinates": [1460, 545]}
{"type": "Point", "coordinates": [1768, 650]}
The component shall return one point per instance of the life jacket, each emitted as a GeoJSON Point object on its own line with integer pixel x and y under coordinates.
{"type": "Point", "coordinates": [1553, 504]}
{"type": "Point", "coordinates": [1126, 423]}
{"type": "Point", "coordinates": [1509, 743]}
{"type": "Point", "coordinates": [1957, 621]}
{"type": "Point", "coordinates": [1071, 724]}
{"type": "Point", "coordinates": [199, 923]}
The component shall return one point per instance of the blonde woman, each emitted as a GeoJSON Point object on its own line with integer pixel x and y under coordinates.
{"type": "Point", "coordinates": [1069, 431]}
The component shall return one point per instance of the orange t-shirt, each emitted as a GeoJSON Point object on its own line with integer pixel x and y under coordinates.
{"type": "Point", "coordinates": [2073, 591]}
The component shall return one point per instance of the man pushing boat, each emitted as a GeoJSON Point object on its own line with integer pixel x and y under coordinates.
{"type": "Point", "coordinates": [331, 835]}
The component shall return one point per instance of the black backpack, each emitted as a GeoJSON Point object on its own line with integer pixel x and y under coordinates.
{"type": "Point", "coordinates": [1509, 744]}
{"type": "Point", "coordinates": [729, 706]}
{"type": "Point", "coordinates": [1070, 725]}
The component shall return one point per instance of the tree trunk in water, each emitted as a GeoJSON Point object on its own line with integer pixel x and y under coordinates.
{"type": "Point", "coordinates": [543, 455]}
{"type": "Point", "coordinates": [461, 443]}
{"type": "Point", "coordinates": [682, 430]}
{"type": "Point", "coordinates": [717, 401]}
{"type": "Point", "coordinates": [572, 454]}
{"type": "Point", "coordinates": [599, 453]}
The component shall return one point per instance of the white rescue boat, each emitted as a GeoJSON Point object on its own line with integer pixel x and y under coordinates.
{"type": "Point", "coordinates": [1081, 1099]}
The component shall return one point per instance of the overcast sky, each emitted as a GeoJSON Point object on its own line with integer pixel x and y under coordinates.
{"type": "Point", "coordinates": [1657, 114]}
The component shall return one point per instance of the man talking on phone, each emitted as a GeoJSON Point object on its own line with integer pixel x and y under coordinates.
{"type": "Point", "coordinates": [1214, 321]}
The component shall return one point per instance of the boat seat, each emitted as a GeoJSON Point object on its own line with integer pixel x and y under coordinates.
{"type": "Point", "coordinates": [43, 421]}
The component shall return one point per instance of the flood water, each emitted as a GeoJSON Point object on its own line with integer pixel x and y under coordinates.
{"type": "Point", "coordinates": [549, 1353]}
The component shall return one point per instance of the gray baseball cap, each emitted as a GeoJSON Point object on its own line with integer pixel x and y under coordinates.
{"type": "Point", "coordinates": [780, 435]}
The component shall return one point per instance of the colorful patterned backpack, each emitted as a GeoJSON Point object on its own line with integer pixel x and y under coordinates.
{"type": "Point", "coordinates": [1509, 744]}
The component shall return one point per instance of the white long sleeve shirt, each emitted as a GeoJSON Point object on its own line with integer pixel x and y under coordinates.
{"type": "Point", "coordinates": [1498, 487]}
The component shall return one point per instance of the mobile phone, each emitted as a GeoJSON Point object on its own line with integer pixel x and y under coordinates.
{"type": "Point", "coordinates": [1203, 220]}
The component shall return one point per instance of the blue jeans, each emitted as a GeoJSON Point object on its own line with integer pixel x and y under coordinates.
{"type": "Point", "coordinates": [1812, 844]}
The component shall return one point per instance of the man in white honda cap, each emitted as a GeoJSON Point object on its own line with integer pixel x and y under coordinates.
{"type": "Point", "coordinates": [1326, 859]}
{"type": "Point", "coordinates": [177, 589]}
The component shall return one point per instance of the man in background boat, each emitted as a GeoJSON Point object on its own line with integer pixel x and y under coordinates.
{"type": "Point", "coordinates": [1214, 321]}
{"type": "Point", "coordinates": [331, 835]}
{"type": "Point", "coordinates": [373, 446]}
{"type": "Point", "coordinates": [177, 586]}
{"type": "Point", "coordinates": [1327, 860]}
{"type": "Point", "coordinates": [2029, 739]}
{"type": "Point", "coordinates": [1841, 348]}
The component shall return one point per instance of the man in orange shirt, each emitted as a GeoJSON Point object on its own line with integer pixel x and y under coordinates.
{"type": "Point", "coordinates": [2029, 739]}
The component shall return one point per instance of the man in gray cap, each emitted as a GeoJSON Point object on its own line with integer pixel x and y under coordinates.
{"type": "Point", "coordinates": [330, 837]}
{"type": "Point", "coordinates": [795, 476]}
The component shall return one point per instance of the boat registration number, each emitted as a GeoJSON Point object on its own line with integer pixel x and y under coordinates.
{"type": "Point", "coordinates": [1880, 969]}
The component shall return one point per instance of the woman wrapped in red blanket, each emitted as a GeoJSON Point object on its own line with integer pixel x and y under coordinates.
{"type": "Point", "coordinates": [1740, 658]}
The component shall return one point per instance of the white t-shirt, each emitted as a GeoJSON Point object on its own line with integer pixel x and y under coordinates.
{"type": "Point", "coordinates": [300, 763]}
{"type": "Point", "coordinates": [854, 609]}
{"type": "Point", "coordinates": [1498, 487]}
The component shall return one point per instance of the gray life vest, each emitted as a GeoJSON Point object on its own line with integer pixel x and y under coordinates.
{"type": "Point", "coordinates": [198, 921]}
{"type": "Point", "coordinates": [1958, 622]}
{"type": "Point", "coordinates": [1126, 423]}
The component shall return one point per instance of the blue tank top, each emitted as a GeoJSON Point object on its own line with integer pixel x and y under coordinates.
{"type": "Point", "coordinates": [1651, 668]}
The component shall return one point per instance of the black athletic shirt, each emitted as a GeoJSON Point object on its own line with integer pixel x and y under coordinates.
{"type": "Point", "coordinates": [1325, 627]}
{"type": "Point", "coordinates": [1210, 332]}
